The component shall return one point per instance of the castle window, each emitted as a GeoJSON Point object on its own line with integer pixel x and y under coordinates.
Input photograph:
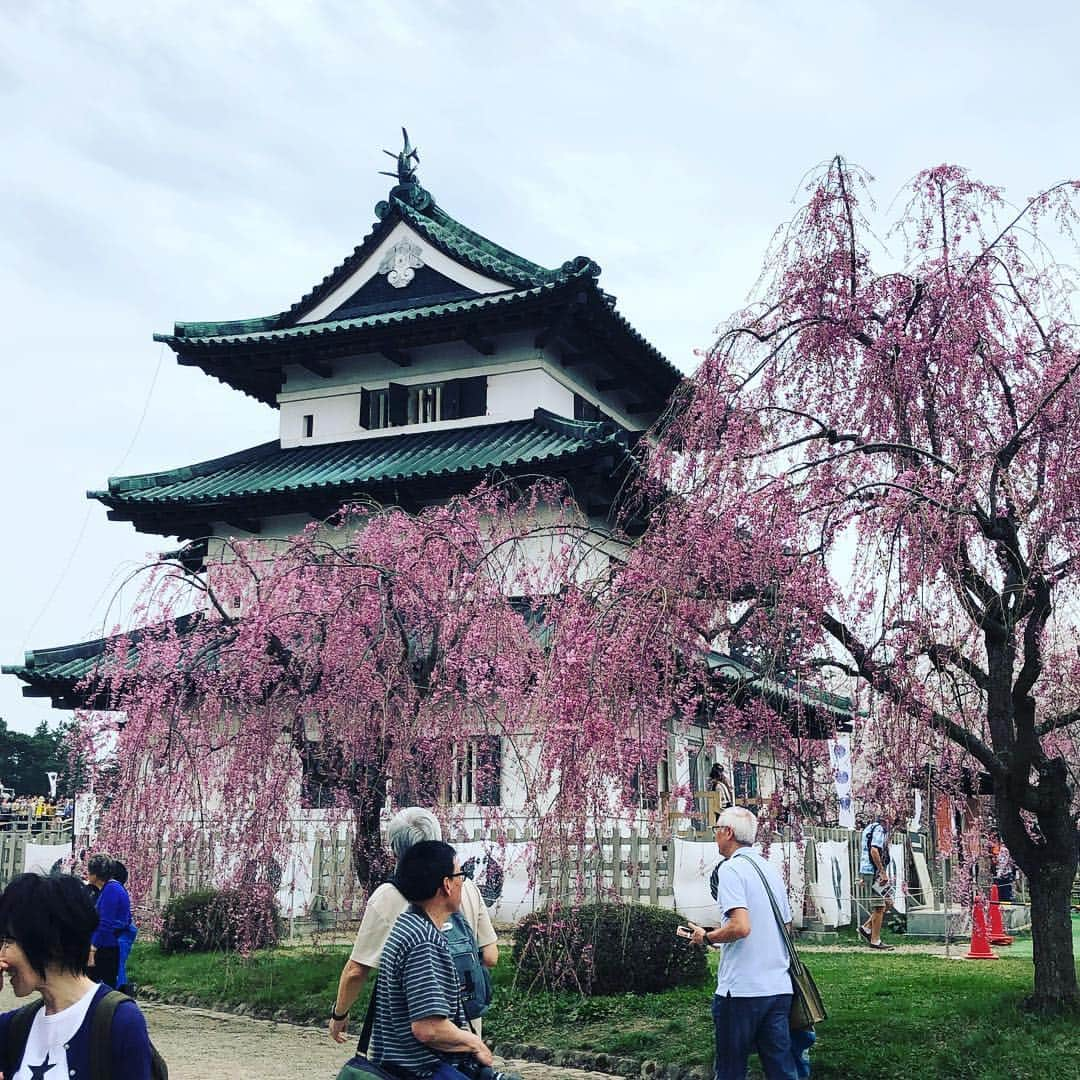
{"type": "Point", "coordinates": [424, 403]}
{"type": "Point", "coordinates": [374, 409]}
{"type": "Point", "coordinates": [475, 772]}
{"type": "Point", "coordinates": [656, 786]}
{"type": "Point", "coordinates": [309, 425]}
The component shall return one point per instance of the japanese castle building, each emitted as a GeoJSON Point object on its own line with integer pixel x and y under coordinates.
{"type": "Point", "coordinates": [429, 359]}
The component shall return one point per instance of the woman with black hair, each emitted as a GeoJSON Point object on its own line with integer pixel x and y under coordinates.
{"type": "Point", "coordinates": [45, 929]}
{"type": "Point", "coordinates": [114, 918]}
{"type": "Point", "coordinates": [125, 937]}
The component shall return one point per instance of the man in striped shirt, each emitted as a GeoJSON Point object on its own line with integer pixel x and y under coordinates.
{"type": "Point", "coordinates": [418, 1014]}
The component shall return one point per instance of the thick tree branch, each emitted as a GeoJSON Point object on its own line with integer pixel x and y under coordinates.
{"type": "Point", "coordinates": [940, 654]}
{"type": "Point", "coordinates": [1056, 723]}
{"type": "Point", "coordinates": [877, 678]}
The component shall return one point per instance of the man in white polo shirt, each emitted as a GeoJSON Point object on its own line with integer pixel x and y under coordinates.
{"type": "Point", "coordinates": [753, 986]}
{"type": "Point", "coordinates": [406, 827]}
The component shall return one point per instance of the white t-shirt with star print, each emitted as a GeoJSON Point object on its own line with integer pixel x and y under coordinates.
{"type": "Point", "coordinates": [45, 1057]}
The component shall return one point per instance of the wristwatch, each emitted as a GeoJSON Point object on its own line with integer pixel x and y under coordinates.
{"type": "Point", "coordinates": [339, 1016]}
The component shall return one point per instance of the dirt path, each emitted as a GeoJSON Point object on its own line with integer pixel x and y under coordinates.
{"type": "Point", "coordinates": [203, 1045]}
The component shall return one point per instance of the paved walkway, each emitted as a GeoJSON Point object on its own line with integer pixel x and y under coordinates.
{"type": "Point", "coordinates": [202, 1045]}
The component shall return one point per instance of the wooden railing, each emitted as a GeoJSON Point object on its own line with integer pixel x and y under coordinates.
{"type": "Point", "coordinates": [635, 866]}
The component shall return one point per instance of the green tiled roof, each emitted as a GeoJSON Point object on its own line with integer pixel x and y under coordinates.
{"type": "Point", "coordinates": [479, 253]}
{"type": "Point", "coordinates": [441, 231]}
{"type": "Point", "coordinates": [249, 354]}
{"type": "Point", "coordinates": [253, 331]}
{"type": "Point", "coordinates": [66, 672]}
{"type": "Point", "coordinates": [542, 442]}
{"type": "Point", "coordinates": [782, 695]}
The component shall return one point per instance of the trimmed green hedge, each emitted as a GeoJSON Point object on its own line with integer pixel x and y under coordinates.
{"type": "Point", "coordinates": [606, 949]}
{"type": "Point", "coordinates": [212, 920]}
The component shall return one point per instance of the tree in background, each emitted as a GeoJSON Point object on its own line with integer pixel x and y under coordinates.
{"type": "Point", "coordinates": [26, 760]}
{"type": "Point", "coordinates": [876, 471]}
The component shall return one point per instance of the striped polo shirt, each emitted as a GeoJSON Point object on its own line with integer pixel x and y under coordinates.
{"type": "Point", "coordinates": [417, 979]}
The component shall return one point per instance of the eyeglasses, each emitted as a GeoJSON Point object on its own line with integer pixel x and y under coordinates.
{"type": "Point", "coordinates": [460, 873]}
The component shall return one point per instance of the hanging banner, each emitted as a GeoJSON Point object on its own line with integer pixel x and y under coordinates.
{"type": "Point", "coordinates": [898, 873]}
{"type": "Point", "coordinates": [831, 892]}
{"type": "Point", "coordinates": [916, 819]}
{"type": "Point", "coordinates": [943, 823]}
{"type": "Point", "coordinates": [840, 757]}
{"type": "Point", "coordinates": [694, 879]}
{"type": "Point", "coordinates": [53, 777]}
{"type": "Point", "coordinates": [502, 873]}
{"type": "Point", "coordinates": [86, 816]}
{"type": "Point", "coordinates": [294, 893]}
{"type": "Point", "coordinates": [971, 822]}
{"type": "Point", "coordinates": [45, 858]}
{"type": "Point", "coordinates": [788, 860]}
{"type": "Point", "coordinates": [923, 883]}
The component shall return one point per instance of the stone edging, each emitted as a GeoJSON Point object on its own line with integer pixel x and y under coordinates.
{"type": "Point", "coordinates": [593, 1062]}
{"type": "Point", "coordinates": [151, 996]}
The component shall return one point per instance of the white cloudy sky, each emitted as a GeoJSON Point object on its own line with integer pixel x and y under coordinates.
{"type": "Point", "coordinates": [202, 160]}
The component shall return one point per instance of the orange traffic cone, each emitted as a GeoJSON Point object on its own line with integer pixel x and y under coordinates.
{"type": "Point", "coordinates": [997, 927]}
{"type": "Point", "coordinates": [979, 949]}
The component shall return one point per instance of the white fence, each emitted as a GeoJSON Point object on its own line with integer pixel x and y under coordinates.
{"type": "Point", "coordinates": [315, 879]}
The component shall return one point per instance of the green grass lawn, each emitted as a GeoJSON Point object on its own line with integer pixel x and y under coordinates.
{"type": "Point", "coordinates": [890, 1015]}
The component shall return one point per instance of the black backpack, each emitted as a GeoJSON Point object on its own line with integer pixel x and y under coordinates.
{"type": "Point", "coordinates": [100, 1038]}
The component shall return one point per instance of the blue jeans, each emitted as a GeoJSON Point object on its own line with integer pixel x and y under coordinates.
{"type": "Point", "coordinates": [743, 1024]}
{"type": "Point", "coordinates": [446, 1071]}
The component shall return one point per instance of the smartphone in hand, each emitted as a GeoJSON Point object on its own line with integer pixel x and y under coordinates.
{"type": "Point", "coordinates": [684, 931]}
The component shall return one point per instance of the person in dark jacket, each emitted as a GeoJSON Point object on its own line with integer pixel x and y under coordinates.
{"type": "Point", "coordinates": [45, 929]}
{"type": "Point", "coordinates": [114, 918]}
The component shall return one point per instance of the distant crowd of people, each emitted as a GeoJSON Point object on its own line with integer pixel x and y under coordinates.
{"type": "Point", "coordinates": [34, 811]}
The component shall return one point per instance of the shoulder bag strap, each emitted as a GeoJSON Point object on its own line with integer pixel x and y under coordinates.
{"type": "Point", "coordinates": [369, 1018]}
{"type": "Point", "coordinates": [101, 1035]}
{"type": "Point", "coordinates": [796, 963]}
{"type": "Point", "coordinates": [18, 1032]}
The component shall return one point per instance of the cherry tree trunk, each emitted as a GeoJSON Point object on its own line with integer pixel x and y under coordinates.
{"type": "Point", "coordinates": [370, 862]}
{"type": "Point", "coordinates": [1050, 884]}
{"type": "Point", "coordinates": [1050, 866]}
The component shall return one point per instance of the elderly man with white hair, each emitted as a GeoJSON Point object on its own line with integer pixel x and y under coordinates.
{"type": "Point", "coordinates": [385, 904]}
{"type": "Point", "coordinates": [753, 987]}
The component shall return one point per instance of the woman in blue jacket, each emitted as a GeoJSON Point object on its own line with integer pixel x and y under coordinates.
{"type": "Point", "coordinates": [114, 918]}
{"type": "Point", "coordinates": [125, 938]}
{"type": "Point", "coordinates": [45, 929]}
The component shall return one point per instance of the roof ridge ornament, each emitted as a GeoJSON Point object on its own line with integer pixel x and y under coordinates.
{"type": "Point", "coordinates": [406, 173]}
{"type": "Point", "coordinates": [407, 189]}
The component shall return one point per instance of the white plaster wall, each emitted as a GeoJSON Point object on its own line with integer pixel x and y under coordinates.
{"type": "Point", "coordinates": [520, 378]}
{"type": "Point", "coordinates": [336, 419]}
{"type": "Point", "coordinates": [512, 395]}
{"type": "Point", "coordinates": [449, 359]}
{"type": "Point", "coordinates": [590, 558]}
{"type": "Point", "coordinates": [585, 553]}
{"type": "Point", "coordinates": [516, 394]}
